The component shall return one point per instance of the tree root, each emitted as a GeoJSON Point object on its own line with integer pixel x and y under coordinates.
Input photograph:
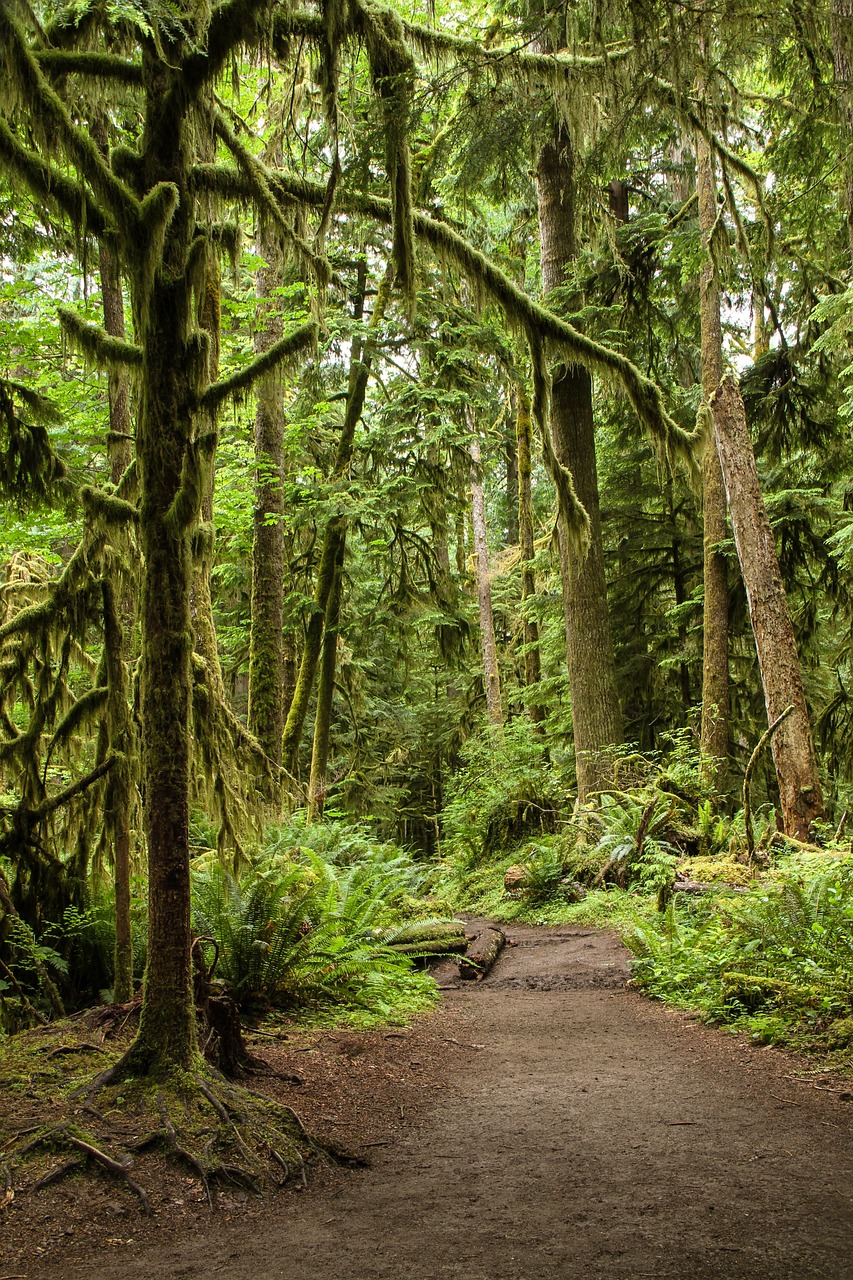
{"type": "Point", "coordinates": [114, 1167]}
{"type": "Point", "coordinates": [217, 1130]}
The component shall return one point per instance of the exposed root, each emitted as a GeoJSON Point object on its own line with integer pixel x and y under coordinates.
{"type": "Point", "coordinates": [116, 1168]}
{"type": "Point", "coordinates": [214, 1129]}
{"type": "Point", "coordinates": [60, 1171]}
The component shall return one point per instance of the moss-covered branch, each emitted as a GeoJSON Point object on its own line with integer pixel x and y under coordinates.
{"type": "Point", "coordinates": [256, 176]}
{"type": "Point", "coordinates": [48, 183]}
{"type": "Point", "coordinates": [530, 317]}
{"type": "Point", "coordinates": [301, 339]}
{"type": "Point", "coordinates": [77, 143]}
{"type": "Point", "coordinates": [96, 66]}
{"type": "Point", "coordinates": [95, 343]}
{"type": "Point", "coordinates": [548, 66]}
{"type": "Point", "coordinates": [107, 509]}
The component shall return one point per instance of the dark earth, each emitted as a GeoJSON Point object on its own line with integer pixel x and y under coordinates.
{"type": "Point", "coordinates": [548, 1121]}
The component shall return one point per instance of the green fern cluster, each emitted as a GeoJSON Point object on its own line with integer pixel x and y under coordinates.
{"type": "Point", "coordinates": [776, 959]}
{"type": "Point", "coordinates": [306, 933]}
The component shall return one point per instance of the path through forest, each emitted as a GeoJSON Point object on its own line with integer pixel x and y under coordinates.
{"type": "Point", "coordinates": [585, 1132]}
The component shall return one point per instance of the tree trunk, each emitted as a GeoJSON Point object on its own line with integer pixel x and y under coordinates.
{"type": "Point", "coordinates": [511, 458]}
{"type": "Point", "coordinates": [266, 651]}
{"type": "Point", "coordinates": [119, 783]}
{"type": "Point", "coordinates": [488, 647]}
{"type": "Point", "coordinates": [596, 714]}
{"type": "Point", "coordinates": [532, 666]}
{"type": "Point", "coordinates": [166, 1038]}
{"type": "Point", "coordinates": [842, 51]}
{"type": "Point", "coordinates": [793, 748]}
{"type": "Point", "coordinates": [325, 693]}
{"type": "Point", "coordinates": [334, 538]}
{"type": "Point", "coordinates": [714, 745]}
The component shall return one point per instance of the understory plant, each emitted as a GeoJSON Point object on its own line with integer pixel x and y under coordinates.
{"type": "Point", "coordinates": [776, 958]}
{"type": "Point", "coordinates": [305, 933]}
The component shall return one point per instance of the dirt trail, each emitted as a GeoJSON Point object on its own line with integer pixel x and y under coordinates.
{"type": "Point", "coordinates": [589, 1134]}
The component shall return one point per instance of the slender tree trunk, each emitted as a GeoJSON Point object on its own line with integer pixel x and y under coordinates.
{"type": "Point", "coordinates": [842, 51]}
{"type": "Point", "coordinates": [201, 600]}
{"type": "Point", "coordinates": [714, 747]}
{"type": "Point", "coordinates": [334, 538]}
{"type": "Point", "coordinates": [793, 748]}
{"type": "Point", "coordinates": [523, 432]}
{"type": "Point", "coordinates": [596, 714]}
{"type": "Point", "coordinates": [484, 592]}
{"type": "Point", "coordinates": [266, 650]}
{"type": "Point", "coordinates": [318, 783]}
{"type": "Point", "coordinates": [120, 454]}
{"type": "Point", "coordinates": [511, 457]}
{"type": "Point", "coordinates": [119, 784]}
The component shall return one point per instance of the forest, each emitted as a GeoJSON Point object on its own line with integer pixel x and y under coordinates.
{"type": "Point", "coordinates": [426, 492]}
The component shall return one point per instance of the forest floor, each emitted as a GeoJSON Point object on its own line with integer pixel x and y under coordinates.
{"type": "Point", "coordinates": [547, 1122]}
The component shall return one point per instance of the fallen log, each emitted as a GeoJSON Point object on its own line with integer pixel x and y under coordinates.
{"type": "Point", "coordinates": [427, 937]}
{"type": "Point", "coordinates": [482, 953]}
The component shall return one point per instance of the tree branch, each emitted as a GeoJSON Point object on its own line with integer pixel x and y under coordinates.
{"type": "Point", "coordinates": [48, 183]}
{"type": "Point", "coordinates": [299, 340]}
{"type": "Point", "coordinates": [95, 343]}
{"type": "Point", "coordinates": [99, 66]}
{"type": "Point", "coordinates": [77, 143]}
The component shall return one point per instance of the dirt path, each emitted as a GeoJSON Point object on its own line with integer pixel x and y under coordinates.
{"type": "Point", "coordinates": [589, 1134]}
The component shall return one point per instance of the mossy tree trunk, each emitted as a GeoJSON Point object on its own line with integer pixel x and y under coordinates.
{"type": "Point", "coordinates": [266, 642]}
{"type": "Point", "coordinates": [842, 52]}
{"type": "Point", "coordinates": [714, 743]}
{"type": "Point", "coordinates": [488, 648]}
{"type": "Point", "coordinates": [118, 628]}
{"type": "Point", "coordinates": [793, 748]}
{"type": "Point", "coordinates": [318, 783]}
{"type": "Point", "coordinates": [596, 714]}
{"type": "Point", "coordinates": [523, 434]}
{"type": "Point", "coordinates": [165, 432]}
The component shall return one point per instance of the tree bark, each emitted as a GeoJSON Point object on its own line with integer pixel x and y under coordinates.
{"type": "Point", "coordinates": [266, 650]}
{"type": "Point", "coordinates": [793, 747]}
{"type": "Point", "coordinates": [596, 714]}
{"type": "Point", "coordinates": [842, 55]}
{"type": "Point", "coordinates": [714, 742]}
{"type": "Point", "coordinates": [488, 647]}
{"type": "Point", "coordinates": [120, 455]}
{"type": "Point", "coordinates": [523, 432]}
{"type": "Point", "coordinates": [166, 1039]}
{"type": "Point", "coordinates": [318, 783]}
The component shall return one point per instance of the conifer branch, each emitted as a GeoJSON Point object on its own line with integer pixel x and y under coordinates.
{"type": "Point", "coordinates": [96, 344]}
{"type": "Point", "coordinates": [49, 806]}
{"type": "Point", "coordinates": [79, 146]}
{"type": "Point", "coordinates": [534, 320]}
{"type": "Point", "coordinates": [257, 178]}
{"type": "Point", "coordinates": [300, 339]}
{"type": "Point", "coordinates": [98, 66]}
{"type": "Point", "coordinates": [73, 577]}
{"type": "Point", "coordinates": [51, 185]}
{"type": "Point", "coordinates": [561, 65]}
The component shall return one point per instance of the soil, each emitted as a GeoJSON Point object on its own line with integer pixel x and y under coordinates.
{"type": "Point", "coordinates": [548, 1121]}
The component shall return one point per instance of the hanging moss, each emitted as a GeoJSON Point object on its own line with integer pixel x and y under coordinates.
{"type": "Point", "coordinates": [301, 339]}
{"type": "Point", "coordinates": [96, 344]}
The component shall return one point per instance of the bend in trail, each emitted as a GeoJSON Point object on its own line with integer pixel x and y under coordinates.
{"type": "Point", "coordinates": [591, 1134]}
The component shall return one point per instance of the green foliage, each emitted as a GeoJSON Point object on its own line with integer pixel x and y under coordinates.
{"type": "Point", "coordinates": [505, 790]}
{"type": "Point", "coordinates": [775, 959]}
{"type": "Point", "coordinates": [307, 933]}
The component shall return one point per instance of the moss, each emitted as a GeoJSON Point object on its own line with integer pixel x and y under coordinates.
{"type": "Point", "coordinates": [96, 344]}
{"type": "Point", "coordinates": [753, 991]}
